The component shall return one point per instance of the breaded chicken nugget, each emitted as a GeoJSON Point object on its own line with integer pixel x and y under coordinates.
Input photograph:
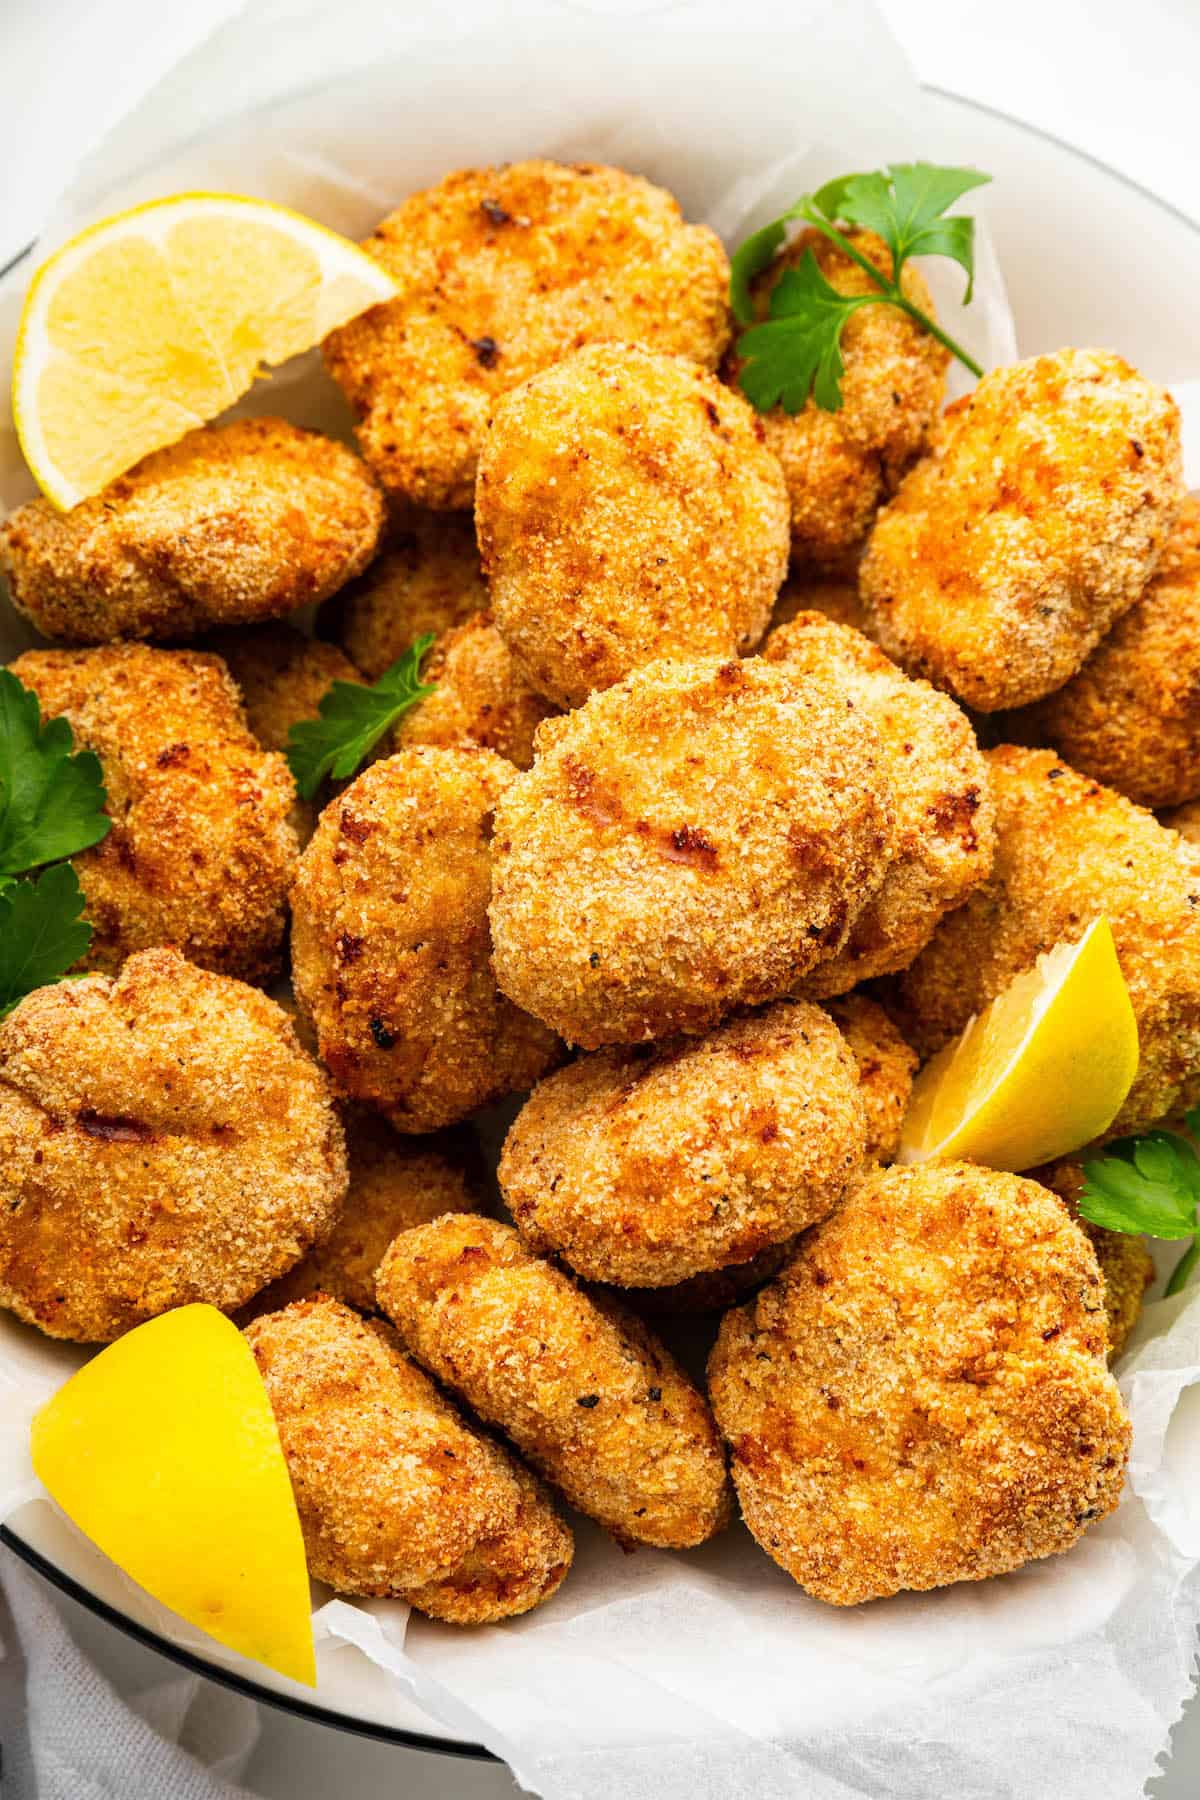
{"type": "Point", "coordinates": [835, 595]}
{"type": "Point", "coordinates": [390, 946]}
{"type": "Point", "coordinates": [501, 272]}
{"type": "Point", "coordinates": [1069, 851]}
{"type": "Point", "coordinates": [944, 815]}
{"type": "Point", "coordinates": [202, 845]}
{"type": "Point", "coordinates": [1185, 820]}
{"type": "Point", "coordinates": [648, 1165]}
{"type": "Point", "coordinates": [397, 1494]}
{"type": "Point", "coordinates": [627, 510]}
{"type": "Point", "coordinates": [840, 466]}
{"type": "Point", "coordinates": [697, 838]}
{"type": "Point", "coordinates": [1131, 716]}
{"type": "Point", "coordinates": [231, 525]}
{"type": "Point", "coordinates": [480, 696]}
{"type": "Point", "coordinates": [281, 674]}
{"type": "Point", "coordinates": [922, 1396]}
{"type": "Point", "coordinates": [1032, 526]}
{"type": "Point", "coordinates": [1126, 1265]}
{"type": "Point", "coordinates": [886, 1064]}
{"type": "Point", "coordinates": [163, 1138]}
{"type": "Point", "coordinates": [395, 1183]}
{"type": "Point", "coordinates": [427, 581]}
{"type": "Point", "coordinates": [579, 1385]}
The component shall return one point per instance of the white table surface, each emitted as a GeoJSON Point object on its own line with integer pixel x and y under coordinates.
{"type": "Point", "coordinates": [1119, 83]}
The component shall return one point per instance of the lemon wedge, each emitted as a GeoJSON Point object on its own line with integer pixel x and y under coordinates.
{"type": "Point", "coordinates": [1041, 1072]}
{"type": "Point", "coordinates": [157, 319]}
{"type": "Point", "coordinates": [163, 1450]}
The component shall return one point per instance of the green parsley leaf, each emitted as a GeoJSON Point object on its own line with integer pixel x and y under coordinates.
{"type": "Point", "coordinates": [353, 718]}
{"type": "Point", "coordinates": [42, 932]}
{"type": "Point", "coordinates": [51, 800]}
{"type": "Point", "coordinates": [797, 350]}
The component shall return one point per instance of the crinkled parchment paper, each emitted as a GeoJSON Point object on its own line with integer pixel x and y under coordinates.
{"type": "Point", "coordinates": [706, 1676]}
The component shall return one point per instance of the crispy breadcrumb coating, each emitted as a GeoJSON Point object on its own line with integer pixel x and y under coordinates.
{"type": "Point", "coordinates": [1034, 523]}
{"type": "Point", "coordinates": [648, 1165]}
{"type": "Point", "coordinates": [579, 1385]}
{"type": "Point", "coordinates": [397, 1494]}
{"type": "Point", "coordinates": [627, 510]}
{"type": "Point", "coordinates": [840, 466]}
{"type": "Point", "coordinates": [500, 273]}
{"type": "Point", "coordinates": [836, 595]}
{"type": "Point", "coordinates": [427, 581]}
{"type": "Point", "coordinates": [163, 1139]}
{"type": "Point", "coordinates": [694, 839]}
{"type": "Point", "coordinates": [281, 674]}
{"type": "Point", "coordinates": [944, 815]}
{"type": "Point", "coordinates": [203, 844]}
{"type": "Point", "coordinates": [232, 525]}
{"type": "Point", "coordinates": [1069, 851]}
{"type": "Point", "coordinates": [886, 1065]}
{"type": "Point", "coordinates": [395, 1182]}
{"type": "Point", "coordinates": [1131, 716]}
{"type": "Point", "coordinates": [922, 1395]}
{"type": "Point", "coordinates": [390, 946]}
{"type": "Point", "coordinates": [480, 696]}
{"type": "Point", "coordinates": [1126, 1265]}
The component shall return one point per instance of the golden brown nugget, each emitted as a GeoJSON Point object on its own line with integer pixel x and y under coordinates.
{"type": "Point", "coordinates": [580, 1386]}
{"type": "Point", "coordinates": [886, 1064]}
{"type": "Point", "coordinates": [282, 676]}
{"type": "Point", "coordinates": [697, 838]}
{"type": "Point", "coordinates": [203, 842]}
{"type": "Point", "coordinates": [390, 945]}
{"type": "Point", "coordinates": [1185, 820]}
{"type": "Point", "coordinates": [397, 1494]}
{"type": "Point", "coordinates": [944, 814]}
{"type": "Point", "coordinates": [922, 1396]}
{"type": "Point", "coordinates": [1131, 716]}
{"type": "Point", "coordinates": [645, 1166]}
{"type": "Point", "coordinates": [840, 466]}
{"type": "Point", "coordinates": [500, 273]}
{"type": "Point", "coordinates": [480, 696]}
{"type": "Point", "coordinates": [627, 510]}
{"type": "Point", "coordinates": [1034, 523]}
{"type": "Point", "coordinates": [1069, 851]}
{"type": "Point", "coordinates": [163, 1139]}
{"type": "Point", "coordinates": [232, 525]}
{"type": "Point", "coordinates": [836, 595]}
{"type": "Point", "coordinates": [1125, 1263]}
{"type": "Point", "coordinates": [395, 1182]}
{"type": "Point", "coordinates": [427, 580]}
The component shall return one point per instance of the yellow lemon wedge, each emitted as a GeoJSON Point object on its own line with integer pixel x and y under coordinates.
{"type": "Point", "coordinates": [163, 1450]}
{"type": "Point", "coordinates": [1041, 1072]}
{"type": "Point", "coordinates": [157, 319]}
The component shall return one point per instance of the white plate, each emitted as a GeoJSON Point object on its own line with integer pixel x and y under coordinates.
{"type": "Point", "coordinates": [1055, 216]}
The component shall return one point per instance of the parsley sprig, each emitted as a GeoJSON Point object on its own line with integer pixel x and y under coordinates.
{"type": "Point", "coordinates": [51, 806]}
{"type": "Point", "coordinates": [797, 350]}
{"type": "Point", "coordinates": [1152, 1184]}
{"type": "Point", "coordinates": [353, 718]}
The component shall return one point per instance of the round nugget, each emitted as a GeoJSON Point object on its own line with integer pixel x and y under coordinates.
{"type": "Point", "coordinates": [1126, 1265]}
{"type": "Point", "coordinates": [697, 838]}
{"type": "Point", "coordinates": [500, 273]}
{"type": "Point", "coordinates": [627, 510]}
{"type": "Point", "coordinates": [163, 1139]}
{"type": "Point", "coordinates": [1035, 522]}
{"type": "Point", "coordinates": [282, 676]}
{"type": "Point", "coordinates": [427, 581]}
{"type": "Point", "coordinates": [1069, 851]}
{"type": "Point", "coordinates": [944, 815]}
{"type": "Point", "coordinates": [231, 525]}
{"type": "Point", "coordinates": [840, 466]}
{"type": "Point", "coordinates": [886, 1064]}
{"type": "Point", "coordinates": [1130, 716]}
{"type": "Point", "coordinates": [397, 1494]}
{"type": "Point", "coordinates": [390, 946]}
{"type": "Point", "coordinates": [203, 844]}
{"type": "Point", "coordinates": [645, 1166]}
{"type": "Point", "coordinates": [580, 1386]}
{"type": "Point", "coordinates": [480, 696]}
{"type": "Point", "coordinates": [922, 1396]}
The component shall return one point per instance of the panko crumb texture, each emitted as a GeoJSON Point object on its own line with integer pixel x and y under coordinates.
{"type": "Point", "coordinates": [480, 696]}
{"type": "Point", "coordinates": [281, 674]}
{"type": "Point", "coordinates": [922, 1396]}
{"type": "Point", "coordinates": [1126, 1265]}
{"type": "Point", "coordinates": [886, 1065]}
{"type": "Point", "coordinates": [427, 581]}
